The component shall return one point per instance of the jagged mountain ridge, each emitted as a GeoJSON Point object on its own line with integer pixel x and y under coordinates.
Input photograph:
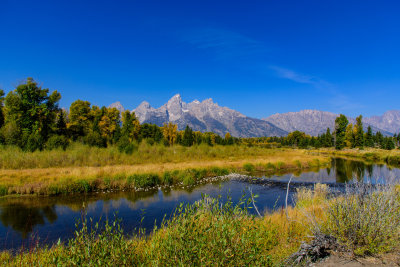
{"type": "Point", "coordinates": [209, 116]}
{"type": "Point", "coordinates": [206, 116]}
{"type": "Point", "coordinates": [315, 122]}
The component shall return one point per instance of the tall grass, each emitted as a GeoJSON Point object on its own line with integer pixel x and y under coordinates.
{"type": "Point", "coordinates": [391, 157]}
{"type": "Point", "coordinates": [82, 155]}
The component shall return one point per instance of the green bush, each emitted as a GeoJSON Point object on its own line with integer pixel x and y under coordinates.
{"type": "Point", "coordinates": [56, 142]}
{"type": "Point", "coordinates": [94, 138]}
{"type": "Point", "coordinates": [144, 180]}
{"type": "Point", "coordinates": [33, 141]}
{"type": "Point", "coordinates": [249, 167]}
{"type": "Point", "coordinates": [125, 146]}
{"type": "Point", "coordinates": [3, 190]}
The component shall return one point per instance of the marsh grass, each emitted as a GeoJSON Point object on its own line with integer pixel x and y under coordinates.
{"type": "Point", "coordinates": [390, 157]}
{"type": "Point", "coordinates": [82, 155]}
{"type": "Point", "coordinates": [153, 166]}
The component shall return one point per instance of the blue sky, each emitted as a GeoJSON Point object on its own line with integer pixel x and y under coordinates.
{"type": "Point", "coordinates": [258, 57]}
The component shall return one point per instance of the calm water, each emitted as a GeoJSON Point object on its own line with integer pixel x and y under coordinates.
{"type": "Point", "coordinates": [24, 220]}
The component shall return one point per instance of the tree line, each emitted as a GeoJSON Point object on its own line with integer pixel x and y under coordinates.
{"type": "Point", "coordinates": [345, 135]}
{"type": "Point", "coordinates": [30, 117]}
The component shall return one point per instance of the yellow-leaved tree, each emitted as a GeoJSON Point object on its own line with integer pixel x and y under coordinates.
{"type": "Point", "coordinates": [170, 132]}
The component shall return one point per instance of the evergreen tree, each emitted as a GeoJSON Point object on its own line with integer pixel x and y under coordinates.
{"type": "Point", "coordinates": [379, 139]}
{"type": "Point", "coordinates": [61, 125]}
{"type": "Point", "coordinates": [1, 108]}
{"type": "Point", "coordinates": [188, 138]}
{"type": "Point", "coordinates": [340, 131]}
{"type": "Point", "coordinates": [130, 126]}
{"type": "Point", "coordinates": [389, 144]}
{"type": "Point", "coordinates": [369, 138]}
{"type": "Point", "coordinates": [359, 133]}
{"type": "Point", "coordinates": [328, 142]}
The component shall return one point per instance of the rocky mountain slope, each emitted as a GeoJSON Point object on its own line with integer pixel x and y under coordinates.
{"type": "Point", "coordinates": [206, 116]}
{"type": "Point", "coordinates": [389, 121]}
{"type": "Point", "coordinates": [315, 122]}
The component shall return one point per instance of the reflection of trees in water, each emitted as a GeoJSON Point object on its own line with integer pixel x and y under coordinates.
{"type": "Point", "coordinates": [347, 170]}
{"type": "Point", "coordinates": [23, 218]}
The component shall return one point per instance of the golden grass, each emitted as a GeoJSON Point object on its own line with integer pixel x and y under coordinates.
{"type": "Point", "coordinates": [370, 154]}
{"type": "Point", "coordinates": [35, 180]}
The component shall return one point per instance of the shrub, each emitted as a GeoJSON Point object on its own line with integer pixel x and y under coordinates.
{"type": "Point", "coordinates": [33, 142]}
{"type": "Point", "coordinates": [94, 138]}
{"type": "Point", "coordinates": [366, 218]}
{"type": "Point", "coordinates": [212, 233]}
{"type": "Point", "coordinates": [102, 246]}
{"type": "Point", "coordinates": [125, 146]}
{"type": "Point", "coordinates": [3, 190]}
{"type": "Point", "coordinates": [144, 180]}
{"type": "Point", "coordinates": [249, 167]}
{"type": "Point", "coordinates": [57, 141]}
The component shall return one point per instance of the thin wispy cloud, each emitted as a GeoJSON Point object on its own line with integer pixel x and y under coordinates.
{"type": "Point", "coordinates": [338, 100]}
{"type": "Point", "coordinates": [224, 43]}
{"type": "Point", "coordinates": [301, 78]}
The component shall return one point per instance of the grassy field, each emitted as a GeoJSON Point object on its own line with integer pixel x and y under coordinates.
{"type": "Point", "coordinates": [210, 233]}
{"type": "Point", "coordinates": [84, 169]}
{"type": "Point", "coordinates": [391, 157]}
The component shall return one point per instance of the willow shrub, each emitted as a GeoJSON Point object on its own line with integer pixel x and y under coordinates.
{"type": "Point", "coordinates": [211, 233]}
{"type": "Point", "coordinates": [366, 218]}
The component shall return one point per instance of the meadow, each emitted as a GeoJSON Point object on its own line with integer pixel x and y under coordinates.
{"type": "Point", "coordinates": [82, 168]}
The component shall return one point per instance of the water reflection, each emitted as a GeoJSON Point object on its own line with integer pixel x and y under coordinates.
{"type": "Point", "coordinates": [23, 218]}
{"type": "Point", "coordinates": [51, 218]}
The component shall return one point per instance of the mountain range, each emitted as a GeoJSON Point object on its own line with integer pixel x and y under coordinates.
{"type": "Point", "coordinates": [207, 116]}
{"type": "Point", "coordinates": [315, 122]}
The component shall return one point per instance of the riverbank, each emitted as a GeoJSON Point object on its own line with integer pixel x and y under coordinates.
{"type": "Point", "coordinates": [209, 233]}
{"type": "Point", "coordinates": [390, 157]}
{"type": "Point", "coordinates": [136, 176]}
